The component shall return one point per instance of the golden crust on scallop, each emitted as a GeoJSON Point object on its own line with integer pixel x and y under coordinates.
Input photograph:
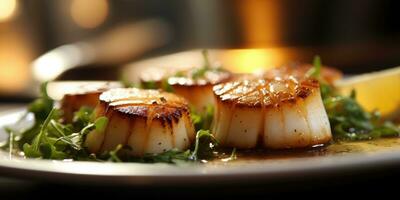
{"type": "Point", "coordinates": [86, 94]}
{"type": "Point", "coordinates": [210, 77]}
{"type": "Point", "coordinates": [271, 113]}
{"type": "Point", "coordinates": [154, 104]}
{"type": "Point", "coordinates": [264, 92]}
{"type": "Point", "coordinates": [300, 70]}
{"type": "Point", "coordinates": [148, 121]}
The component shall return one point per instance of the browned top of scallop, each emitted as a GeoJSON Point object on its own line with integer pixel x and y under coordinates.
{"type": "Point", "coordinates": [144, 103]}
{"type": "Point", "coordinates": [300, 70]}
{"type": "Point", "coordinates": [92, 87]}
{"type": "Point", "coordinates": [197, 77]}
{"type": "Point", "coordinates": [265, 92]}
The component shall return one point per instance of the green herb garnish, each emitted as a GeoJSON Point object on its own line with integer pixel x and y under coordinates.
{"type": "Point", "coordinates": [200, 72]}
{"type": "Point", "coordinates": [149, 85]}
{"type": "Point", "coordinates": [171, 156]}
{"type": "Point", "coordinates": [232, 157]}
{"type": "Point", "coordinates": [49, 138]}
{"type": "Point", "coordinates": [315, 71]}
{"type": "Point", "coordinates": [205, 145]}
{"type": "Point", "coordinates": [348, 120]}
{"type": "Point", "coordinates": [202, 120]}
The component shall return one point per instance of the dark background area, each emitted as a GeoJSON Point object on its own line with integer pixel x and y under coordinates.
{"type": "Point", "coordinates": [355, 36]}
{"type": "Point", "coordinates": [372, 183]}
{"type": "Point", "coordinates": [226, 23]}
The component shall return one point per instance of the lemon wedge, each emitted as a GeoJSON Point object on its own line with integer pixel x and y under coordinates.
{"type": "Point", "coordinates": [376, 90]}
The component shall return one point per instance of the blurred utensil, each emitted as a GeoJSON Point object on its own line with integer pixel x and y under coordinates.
{"type": "Point", "coordinates": [57, 89]}
{"type": "Point", "coordinates": [116, 46]}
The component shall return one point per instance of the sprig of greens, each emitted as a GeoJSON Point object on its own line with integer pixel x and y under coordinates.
{"type": "Point", "coordinates": [50, 138]}
{"type": "Point", "coordinates": [40, 108]}
{"type": "Point", "coordinates": [348, 120]}
{"type": "Point", "coordinates": [233, 156]}
{"type": "Point", "coordinates": [196, 73]}
{"type": "Point", "coordinates": [163, 84]}
{"type": "Point", "coordinates": [40, 140]}
{"type": "Point", "coordinates": [205, 146]}
{"type": "Point", "coordinates": [315, 71]}
{"type": "Point", "coordinates": [202, 120]}
{"type": "Point", "coordinates": [58, 141]}
{"type": "Point", "coordinates": [171, 156]}
{"type": "Point", "coordinates": [200, 72]}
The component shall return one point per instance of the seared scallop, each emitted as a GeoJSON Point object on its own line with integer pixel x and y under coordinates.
{"type": "Point", "coordinates": [272, 113]}
{"type": "Point", "coordinates": [198, 90]}
{"type": "Point", "coordinates": [328, 74]}
{"type": "Point", "coordinates": [84, 94]}
{"type": "Point", "coordinates": [194, 84]}
{"type": "Point", "coordinates": [148, 121]}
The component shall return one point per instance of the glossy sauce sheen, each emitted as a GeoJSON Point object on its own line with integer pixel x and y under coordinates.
{"type": "Point", "coordinates": [335, 149]}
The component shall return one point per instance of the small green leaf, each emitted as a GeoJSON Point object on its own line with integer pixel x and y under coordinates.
{"type": "Point", "coordinates": [171, 156]}
{"type": "Point", "coordinates": [114, 154]}
{"type": "Point", "coordinates": [101, 124]}
{"type": "Point", "coordinates": [199, 72]}
{"type": "Point", "coordinates": [204, 146]}
{"type": "Point", "coordinates": [45, 150]}
{"type": "Point", "coordinates": [49, 151]}
{"type": "Point", "coordinates": [202, 119]}
{"type": "Point", "coordinates": [315, 71]}
{"type": "Point", "coordinates": [179, 74]}
{"type": "Point", "coordinates": [149, 85]}
{"type": "Point", "coordinates": [353, 94]}
{"type": "Point", "coordinates": [349, 121]}
{"type": "Point", "coordinates": [207, 64]}
{"type": "Point", "coordinates": [42, 106]}
{"type": "Point", "coordinates": [31, 152]}
{"type": "Point", "coordinates": [166, 86]}
{"type": "Point", "coordinates": [232, 157]}
{"type": "Point", "coordinates": [83, 116]}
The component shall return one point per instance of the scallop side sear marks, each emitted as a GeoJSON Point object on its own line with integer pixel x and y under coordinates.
{"type": "Point", "coordinates": [148, 121]}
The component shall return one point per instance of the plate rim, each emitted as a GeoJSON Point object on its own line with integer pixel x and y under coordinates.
{"type": "Point", "coordinates": [167, 174]}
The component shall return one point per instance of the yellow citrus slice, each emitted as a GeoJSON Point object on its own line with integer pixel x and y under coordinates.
{"type": "Point", "coordinates": [377, 90]}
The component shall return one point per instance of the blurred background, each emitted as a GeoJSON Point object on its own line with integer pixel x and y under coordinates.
{"type": "Point", "coordinates": [97, 39]}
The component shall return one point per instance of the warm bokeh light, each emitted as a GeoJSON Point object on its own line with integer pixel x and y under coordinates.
{"type": "Point", "coordinates": [89, 14]}
{"type": "Point", "coordinates": [260, 22]}
{"type": "Point", "coordinates": [252, 60]}
{"type": "Point", "coordinates": [8, 9]}
{"type": "Point", "coordinates": [14, 61]}
{"type": "Point", "coordinates": [235, 60]}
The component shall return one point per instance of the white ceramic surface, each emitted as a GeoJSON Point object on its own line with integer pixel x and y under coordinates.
{"type": "Point", "coordinates": [167, 174]}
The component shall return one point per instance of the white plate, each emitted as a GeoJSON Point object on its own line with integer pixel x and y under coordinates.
{"type": "Point", "coordinates": [168, 174]}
